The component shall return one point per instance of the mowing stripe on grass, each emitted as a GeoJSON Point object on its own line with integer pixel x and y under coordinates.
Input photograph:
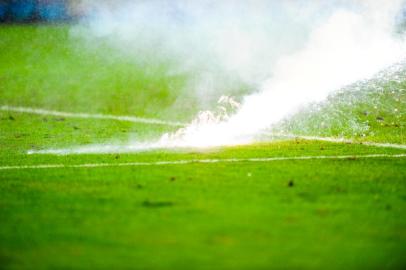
{"type": "Point", "coordinates": [197, 161]}
{"type": "Point", "coordinates": [133, 119]}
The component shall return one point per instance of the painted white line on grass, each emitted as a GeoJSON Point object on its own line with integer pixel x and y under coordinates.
{"type": "Point", "coordinates": [338, 140]}
{"type": "Point", "coordinates": [136, 119]}
{"type": "Point", "coordinates": [197, 161]}
{"type": "Point", "coordinates": [124, 118]}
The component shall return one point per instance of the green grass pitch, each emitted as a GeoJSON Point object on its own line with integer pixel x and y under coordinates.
{"type": "Point", "coordinates": [290, 214]}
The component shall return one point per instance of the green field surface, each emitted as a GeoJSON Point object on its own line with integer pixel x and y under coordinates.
{"type": "Point", "coordinates": [336, 213]}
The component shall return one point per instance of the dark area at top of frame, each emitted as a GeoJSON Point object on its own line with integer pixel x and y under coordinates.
{"type": "Point", "coordinates": [38, 11]}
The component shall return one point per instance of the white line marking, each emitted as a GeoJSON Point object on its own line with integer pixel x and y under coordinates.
{"type": "Point", "coordinates": [133, 119]}
{"type": "Point", "coordinates": [197, 161]}
{"type": "Point", "coordinates": [338, 140]}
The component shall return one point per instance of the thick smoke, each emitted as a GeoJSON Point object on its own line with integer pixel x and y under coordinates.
{"type": "Point", "coordinates": [350, 45]}
{"type": "Point", "coordinates": [291, 52]}
{"type": "Point", "coordinates": [216, 44]}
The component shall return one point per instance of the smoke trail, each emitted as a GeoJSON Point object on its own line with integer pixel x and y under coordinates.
{"type": "Point", "coordinates": [351, 45]}
{"type": "Point", "coordinates": [218, 45]}
{"type": "Point", "coordinates": [292, 52]}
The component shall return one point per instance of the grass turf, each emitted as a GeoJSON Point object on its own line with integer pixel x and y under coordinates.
{"type": "Point", "coordinates": [285, 214]}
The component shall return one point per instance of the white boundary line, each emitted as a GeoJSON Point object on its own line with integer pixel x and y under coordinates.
{"type": "Point", "coordinates": [339, 140]}
{"type": "Point", "coordinates": [199, 161]}
{"type": "Point", "coordinates": [133, 119]}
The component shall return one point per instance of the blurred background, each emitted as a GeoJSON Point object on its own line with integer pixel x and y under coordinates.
{"type": "Point", "coordinates": [27, 11]}
{"type": "Point", "coordinates": [41, 10]}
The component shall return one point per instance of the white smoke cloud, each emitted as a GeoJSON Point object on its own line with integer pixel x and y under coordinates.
{"type": "Point", "coordinates": [350, 45]}
{"type": "Point", "coordinates": [218, 44]}
{"type": "Point", "coordinates": [293, 52]}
